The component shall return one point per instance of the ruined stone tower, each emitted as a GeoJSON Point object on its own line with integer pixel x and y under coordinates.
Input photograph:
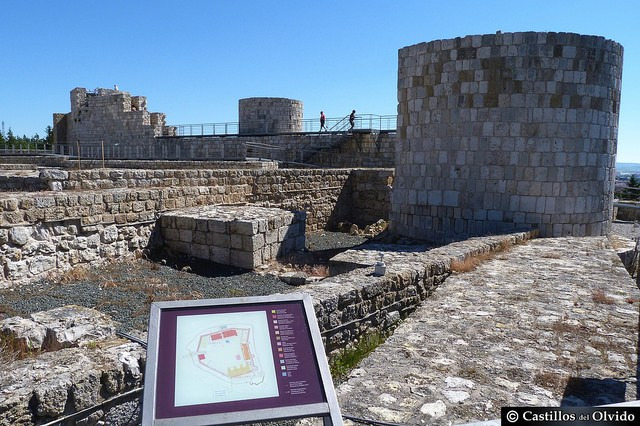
{"type": "Point", "coordinates": [109, 116]}
{"type": "Point", "coordinates": [506, 130]}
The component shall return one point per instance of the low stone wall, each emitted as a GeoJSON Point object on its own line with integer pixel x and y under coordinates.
{"type": "Point", "coordinates": [626, 211]}
{"type": "Point", "coordinates": [32, 251]}
{"type": "Point", "coordinates": [162, 148]}
{"type": "Point", "coordinates": [38, 232]}
{"type": "Point", "coordinates": [352, 305]}
{"type": "Point", "coordinates": [22, 183]}
{"type": "Point", "coordinates": [356, 150]}
{"type": "Point", "coordinates": [317, 192]}
{"type": "Point", "coordinates": [244, 236]}
{"type": "Point", "coordinates": [18, 162]}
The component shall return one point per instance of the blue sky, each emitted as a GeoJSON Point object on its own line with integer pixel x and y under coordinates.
{"type": "Point", "coordinates": [193, 60]}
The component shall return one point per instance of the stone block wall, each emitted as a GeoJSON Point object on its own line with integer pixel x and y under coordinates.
{"type": "Point", "coordinates": [243, 236]}
{"type": "Point", "coordinates": [345, 150]}
{"type": "Point", "coordinates": [503, 130]}
{"type": "Point", "coordinates": [262, 116]}
{"type": "Point", "coordinates": [627, 211]}
{"type": "Point", "coordinates": [370, 195]}
{"type": "Point", "coordinates": [35, 162]}
{"type": "Point", "coordinates": [323, 194]}
{"type": "Point", "coordinates": [31, 251]}
{"type": "Point", "coordinates": [56, 230]}
{"type": "Point", "coordinates": [162, 148]}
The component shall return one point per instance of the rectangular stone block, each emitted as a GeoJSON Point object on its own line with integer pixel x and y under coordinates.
{"type": "Point", "coordinates": [200, 251]}
{"type": "Point", "coordinates": [244, 236]}
{"type": "Point", "coordinates": [244, 227]}
{"type": "Point", "coordinates": [236, 241]}
{"type": "Point", "coordinates": [219, 255]}
{"type": "Point", "coordinates": [170, 234]}
{"type": "Point", "coordinates": [185, 235]}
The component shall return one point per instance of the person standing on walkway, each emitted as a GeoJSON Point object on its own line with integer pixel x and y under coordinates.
{"type": "Point", "coordinates": [352, 119]}
{"type": "Point", "coordinates": [322, 120]}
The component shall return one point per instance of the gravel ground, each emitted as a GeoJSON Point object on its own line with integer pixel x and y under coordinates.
{"type": "Point", "coordinates": [125, 289]}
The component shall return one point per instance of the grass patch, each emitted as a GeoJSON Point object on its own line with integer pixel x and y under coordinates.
{"type": "Point", "coordinates": [316, 270]}
{"type": "Point", "coordinates": [12, 350]}
{"type": "Point", "coordinates": [341, 364]}
{"type": "Point", "coordinates": [472, 261]}
{"type": "Point", "coordinates": [8, 355]}
{"type": "Point", "coordinates": [550, 380]}
{"type": "Point", "coordinates": [75, 274]}
{"type": "Point", "coordinates": [599, 296]}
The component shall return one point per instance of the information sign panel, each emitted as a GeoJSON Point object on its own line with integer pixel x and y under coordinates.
{"type": "Point", "coordinates": [223, 361]}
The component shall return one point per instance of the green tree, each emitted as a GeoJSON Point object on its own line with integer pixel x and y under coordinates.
{"type": "Point", "coordinates": [49, 133]}
{"type": "Point", "coordinates": [633, 182]}
{"type": "Point", "coordinates": [11, 139]}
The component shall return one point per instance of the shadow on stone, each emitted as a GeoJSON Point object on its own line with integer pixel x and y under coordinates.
{"type": "Point", "coordinates": [588, 392]}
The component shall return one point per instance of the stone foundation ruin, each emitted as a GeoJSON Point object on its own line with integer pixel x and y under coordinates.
{"type": "Point", "coordinates": [495, 132]}
{"type": "Point", "coordinates": [244, 236]}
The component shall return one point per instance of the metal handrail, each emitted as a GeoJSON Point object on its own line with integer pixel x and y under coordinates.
{"type": "Point", "coordinates": [340, 125]}
{"type": "Point", "coordinates": [363, 121]}
{"type": "Point", "coordinates": [26, 148]}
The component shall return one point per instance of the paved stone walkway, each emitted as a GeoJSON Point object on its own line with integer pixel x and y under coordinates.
{"type": "Point", "coordinates": [546, 323]}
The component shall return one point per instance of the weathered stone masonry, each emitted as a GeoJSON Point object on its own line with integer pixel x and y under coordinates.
{"type": "Point", "coordinates": [47, 231]}
{"type": "Point", "coordinates": [502, 130]}
{"type": "Point", "coordinates": [108, 116]}
{"type": "Point", "coordinates": [244, 236]}
{"type": "Point", "coordinates": [348, 307]}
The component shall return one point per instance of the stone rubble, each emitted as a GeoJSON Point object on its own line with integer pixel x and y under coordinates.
{"type": "Point", "coordinates": [83, 365]}
{"type": "Point", "coordinates": [64, 327]}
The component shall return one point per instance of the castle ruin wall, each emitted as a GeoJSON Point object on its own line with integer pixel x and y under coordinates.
{"type": "Point", "coordinates": [110, 117]}
{"type": "Point", "coordinates": [47, 232]}
{"type": "Point", "coordinates": [506, 130]}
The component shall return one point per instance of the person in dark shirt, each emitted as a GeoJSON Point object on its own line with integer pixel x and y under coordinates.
{"type": "Point", "coordinates": [352, 119]}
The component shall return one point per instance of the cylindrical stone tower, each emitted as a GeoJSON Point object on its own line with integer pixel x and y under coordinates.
{"type": "Point", "coordinates": [260, 116]}
{"type": "Point", "coordinates": [502, 131]}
